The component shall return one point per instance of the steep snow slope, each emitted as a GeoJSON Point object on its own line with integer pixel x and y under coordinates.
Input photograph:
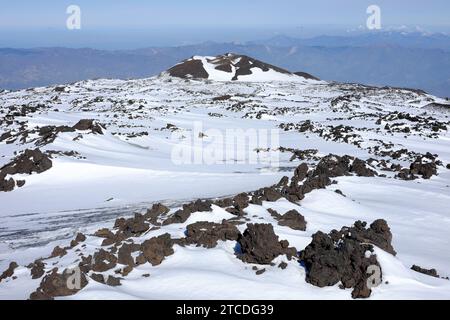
{"type": "Point", "coordinates": [98, 177]}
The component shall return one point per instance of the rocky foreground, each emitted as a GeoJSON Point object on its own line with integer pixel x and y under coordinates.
{"type": "Point", "coordinates": [336, 257]}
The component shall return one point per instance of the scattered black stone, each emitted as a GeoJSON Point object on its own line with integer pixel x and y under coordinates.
{"type": "Point", "coordinates": [207, 234]}
{"type": "Point", "coordinates": [222, 98]}
{"type": "Point", "coordinates": [283, 265]}
{"type": "Point", "coordinates": [88, 124]}
{"type": "Point", "coordinates": [428, 272]}
{"type": "Point", "coordinates": [259, 244]}
{"type": "Point", "coordinates": [259, 272]}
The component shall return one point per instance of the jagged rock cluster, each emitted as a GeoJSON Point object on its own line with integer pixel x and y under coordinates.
{"type": "Point", "coordinates": [340, 256]}
{"type": "Point", "coordinates": [30, 161]}
{"type": "Point", "coordinates": [259, 244]}
{"type": "Point", "coordinates": [344, 256]}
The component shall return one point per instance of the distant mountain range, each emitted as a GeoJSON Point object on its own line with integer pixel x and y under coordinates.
{"type": "Point", "coordinates": [413, 60]}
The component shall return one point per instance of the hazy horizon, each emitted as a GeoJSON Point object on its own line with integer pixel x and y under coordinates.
{"type": "Point", "coordinates": [138, 23]}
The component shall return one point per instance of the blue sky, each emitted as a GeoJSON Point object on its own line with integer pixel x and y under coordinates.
{"type": "Point", "coordinates": [145, 13]}
{"type": "Point", "coordinates": [28, 23]}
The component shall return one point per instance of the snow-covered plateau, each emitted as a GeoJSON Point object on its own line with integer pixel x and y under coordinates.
{"type": "Point", "coordinates": [90, 190]}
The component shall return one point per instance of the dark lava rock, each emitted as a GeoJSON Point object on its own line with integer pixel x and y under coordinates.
{"type": "Point", "coordinates": [183, 214]}
{"type": "Point", "coordinates": [378, 234]}
{"type": "Point", "coordinates": [239, 203]}
{"type": "Point", "coordinates": [306, 75]}
{"type": "Point", "coordinates": [359, 167]}
{"type": "Point", "coordinates": [113, 281]}
{"type": "Point", "coordinates": [157, 248]}
{"type": "Point", "coordinates": [98, 277]}
{"type": "Point", "coordinates": [315, 182]}
{"type": "Point", "coordinates": [341, 256]}
{"type": "Point", "coordinates": [224, 203]}
{"type": "Point", "coordinates": [428, 272]}
{"type": "Point", "coordinates": [49, 133]}
{"type": "Point", "coordinates": [333, 166]}
{"type": "Point", "coordinates": [88, 124]}
{"type": "Point", "coordinates": [301, 171]}
{"type": "Point", "coordinates": [208, 233]}
{"type": "Point", "coordinates": [20, 183]}
{"type": "Point", "coordinates": [222, 98]}
{"type": "Point", "coordinates": [104, 233]}
{"type": "Point", "coordinates": [37, 269]}
{"type": "Point", "coordinates": [405, 174]}
{"type": "Point", "coordinates": [259, 244]}
{"type": "Point", "coordinates": [189, 69]}
{"type": "Point", "coordinates": [133, 226]}
{"type": "Point", "coordinates": [198, 206]}
{"type": "Point", "coordinates": [426, 170]}
{"type": "Point", "coordinates": [293, 220]}
{"type": "Point", "coordinates": [124, 253]}
{"type": "Point", "coordinates": [78, 239]}
{"type": "Point", "coordinates": [58, 252]}
{"type": "Point", "coordinates": [103, 261]}
{"type": "Point", "coordinates": [259, 272]}
{"type": "Point", "coordinates": [8, 272]}
{"type": "Point", "coordinates": [28, 162]}
{"type": "Point", "coordinates": [274, 213]}
{"type": "Point", "coordinates": [6, 185]}
{"type": "Point", "coordinates": [270, 194]}
{"type": "Point", "coordinates": [59, 285]}
{"type": "Point", "coordinates": [155, 212]}
{"type": "Point", "coordinates": [179, 216]}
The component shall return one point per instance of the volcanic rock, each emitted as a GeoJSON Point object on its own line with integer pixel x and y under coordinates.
{"type": "Point", "coordinates": [293, 220]}
{"type": "Point", "coordinates": [157, 248]}
{"type": "Point", "coordinates": [59, 285]}
{"type": "Point", "coordinates": [428, 272]}
{"type": "Point", "coordinates": [208, 233]}
{"type": "Point", "coordinates": [8, 272]}
{"type": "Point", "coordinates": [259, 244]}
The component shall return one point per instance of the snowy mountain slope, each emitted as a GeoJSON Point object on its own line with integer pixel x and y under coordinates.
{"type": "Point", "coordinates": [122, 162]}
